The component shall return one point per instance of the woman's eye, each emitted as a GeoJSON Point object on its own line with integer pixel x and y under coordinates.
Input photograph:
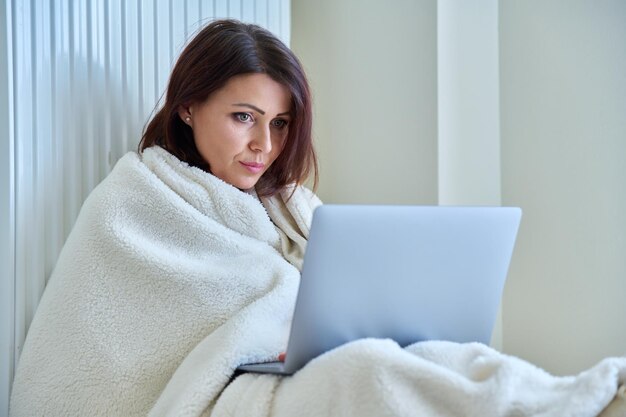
{"type": "Point", "coordinates": [243, 117]}
{"type": "Point", "coordinates": [279, 123]}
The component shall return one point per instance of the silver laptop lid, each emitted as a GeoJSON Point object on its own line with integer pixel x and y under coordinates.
{"type": "Point", "coordinates": [409, 273]}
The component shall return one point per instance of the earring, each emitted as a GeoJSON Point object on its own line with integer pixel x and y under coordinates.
{"type": "Point", "coordinates": [188, 119]}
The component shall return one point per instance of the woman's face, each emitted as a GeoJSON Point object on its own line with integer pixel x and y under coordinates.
{"type": "Point", "coordinates": [241, 128]}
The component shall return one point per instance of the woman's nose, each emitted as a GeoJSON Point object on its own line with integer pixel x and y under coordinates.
{"type": "Point", "coordinates": [262, 141]}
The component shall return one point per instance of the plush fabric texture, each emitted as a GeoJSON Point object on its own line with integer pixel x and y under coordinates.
{"type": "Point", "coordinates": [162, 257]}
{"type": "Point", "coordinates": [171, 278]}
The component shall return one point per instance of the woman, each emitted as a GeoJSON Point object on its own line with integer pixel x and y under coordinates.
{"type": "Point", "coordinates": [184, 264]}
{"type": "Point", "coordinates": [175, 246]}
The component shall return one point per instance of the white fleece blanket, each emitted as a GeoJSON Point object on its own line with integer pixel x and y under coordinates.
{"type": "Point", "coordinates": [172, 278]}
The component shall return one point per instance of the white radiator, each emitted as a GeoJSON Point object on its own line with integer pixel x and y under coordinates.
{"type": "Point", "coordinates": [82, 79]}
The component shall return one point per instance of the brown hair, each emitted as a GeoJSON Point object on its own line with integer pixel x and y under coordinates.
{"type": "Point", "coordinates": [221, 50]}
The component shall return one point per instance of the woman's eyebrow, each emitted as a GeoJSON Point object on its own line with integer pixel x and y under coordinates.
{"type": "Point", "coordinates": [255, 108]}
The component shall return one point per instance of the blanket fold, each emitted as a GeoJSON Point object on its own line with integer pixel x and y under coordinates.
{"type": "Point", "coordinates": [172, 278]}
{"type": "Point", "coordinates": [436, 378]}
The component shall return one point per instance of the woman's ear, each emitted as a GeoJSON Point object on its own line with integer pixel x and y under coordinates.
{"type": "Point", "coordinates": [184, 112]}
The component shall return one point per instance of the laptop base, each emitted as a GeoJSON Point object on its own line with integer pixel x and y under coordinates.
{"type": "Point", "coordinates": [277, 368]}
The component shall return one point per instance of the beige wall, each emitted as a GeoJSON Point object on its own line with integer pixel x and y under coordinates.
{"type": "Point", "coordinates": [563, 107]}
{"type": "Point", "coordinates": [373, 73]}
{"type": "Point", "coordinates": [373, 68]}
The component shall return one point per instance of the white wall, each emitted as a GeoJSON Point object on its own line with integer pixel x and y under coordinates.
{"type": "Point", "coordinates": [373, 72]}
{"type": "Point", "coordinates": [563, 96]}
{"type": "Point", "coordinates": [562, 148]}
{"type": "Point", "coordinates": [468, 100]}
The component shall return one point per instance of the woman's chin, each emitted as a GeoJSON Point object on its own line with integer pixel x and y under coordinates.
{"type": "Point", "coordinates": [243, 183]}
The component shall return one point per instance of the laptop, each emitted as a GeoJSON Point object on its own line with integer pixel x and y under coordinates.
{"type": "Point", "coordinates": [408, 273]}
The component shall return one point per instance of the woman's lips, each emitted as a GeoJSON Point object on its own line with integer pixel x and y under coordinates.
{"type": "Point", "coordinates": [254, 167]}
